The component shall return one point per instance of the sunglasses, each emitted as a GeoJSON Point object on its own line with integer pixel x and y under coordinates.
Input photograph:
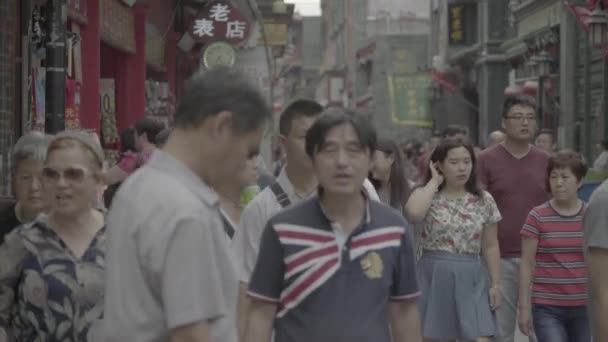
{"type": "Point", "coordinates": [70, 174]}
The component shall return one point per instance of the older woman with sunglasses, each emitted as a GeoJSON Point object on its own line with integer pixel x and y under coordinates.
{"type": "Point", "coordinates": [51, 270]}
{"type": "Point", "coordinates": [27, 159]}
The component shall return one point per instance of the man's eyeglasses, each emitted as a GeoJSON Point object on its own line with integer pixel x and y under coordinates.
{"type": "Point", "coordinates": [521, 117]}
{"type": "Point", "coordinates": [71, 174]}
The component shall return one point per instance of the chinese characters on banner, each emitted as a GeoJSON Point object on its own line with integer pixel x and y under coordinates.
{"type": "Point", "coordinates": [456, 24]}
{"type": "Point", "coordinates": [109, 131]}
{"type": "Point", "coordinates": [409, 102]}
{"type": "Point", "coordinates": [72, 104]}
{"type": "Point", "coordinates": [220, 21]}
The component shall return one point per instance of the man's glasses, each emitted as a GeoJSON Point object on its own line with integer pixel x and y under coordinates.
{"type": "Point", "coordinates": [521, 117]}
{"type": "Point", "coordinates": [71, 174]}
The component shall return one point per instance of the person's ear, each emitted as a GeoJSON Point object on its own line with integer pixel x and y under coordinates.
{"type": "Point", "coordinates": [220, 125]}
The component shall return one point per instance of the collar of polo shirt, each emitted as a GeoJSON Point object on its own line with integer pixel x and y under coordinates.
{"type": "Point", "coordinates": [367, 218]}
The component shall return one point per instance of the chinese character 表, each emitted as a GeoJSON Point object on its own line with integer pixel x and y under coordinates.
{"type": "Point", "coordinates": [235, 29]}
{"type": "Point", "coordinates": [219, 12]}
{"type": "Point", "coordinates": [457, 24]}
{"type": "Point", "coordinates": [203, 27]}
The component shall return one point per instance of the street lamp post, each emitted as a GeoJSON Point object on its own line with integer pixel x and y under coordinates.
{"type": "Point", "coordinates": [598, 31]}
{"type": "Point", "coordinates": [598, 27]}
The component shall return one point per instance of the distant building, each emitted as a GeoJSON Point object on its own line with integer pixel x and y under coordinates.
{"type": "Point", "coordinates": [369, 47]}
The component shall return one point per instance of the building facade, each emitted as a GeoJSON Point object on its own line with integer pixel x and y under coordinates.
{"type": "Point", "coordinates": [122, 63]}
{"type": "Point", "coordinates": [466, 39]}
{"type": "Point", "coordinates": [572, 95]}
{"type": "Point", "coordinates": [374, 50]}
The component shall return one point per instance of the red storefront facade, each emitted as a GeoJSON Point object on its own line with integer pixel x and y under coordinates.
{"type": "Point", "coordinates": [114, 47]}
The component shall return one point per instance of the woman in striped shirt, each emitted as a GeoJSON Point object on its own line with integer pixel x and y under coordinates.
{"type": "Point", "coordinates": [553, 262]}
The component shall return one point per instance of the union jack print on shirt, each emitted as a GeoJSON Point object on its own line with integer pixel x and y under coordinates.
{"type": "Point", "coordinates": [320, 258]}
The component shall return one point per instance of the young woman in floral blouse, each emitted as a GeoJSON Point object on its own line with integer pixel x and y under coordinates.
{"type": "Point", "coordinates": [457, 301]}
{"type": "Point", "coordinates": [52, 269]}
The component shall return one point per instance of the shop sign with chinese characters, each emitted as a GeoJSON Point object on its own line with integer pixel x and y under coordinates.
{"type": "Point", "coordinates": [220, 21]}
{"type": "Point", "coordinates": [409, 104]}
{"type": "Point", "coordinates": [456, 24]}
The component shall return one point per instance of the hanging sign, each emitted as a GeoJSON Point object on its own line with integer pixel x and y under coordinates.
{"type": "Point", "coordinates": [72, 104]}
{"type": "Point", "coordinates": [456, 24]}
{"type": "Point", "coordinates": [409, 102]}
{"type": "Point", "coordinates": [220, 21]}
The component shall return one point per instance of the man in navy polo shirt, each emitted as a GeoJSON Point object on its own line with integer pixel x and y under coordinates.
{"type": "Point", "coordinates": [336, 267]}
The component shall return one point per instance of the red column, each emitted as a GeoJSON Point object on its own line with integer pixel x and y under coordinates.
{"type": "Point", "coordinates": [170, 50]}
{"type": "Point", "coordinates": [91, 46]}
{"type": "Point", "coordinates": [131, 76]}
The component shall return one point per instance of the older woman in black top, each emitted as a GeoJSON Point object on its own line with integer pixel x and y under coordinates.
{"type": "Point", "coordinates": [27, 159]}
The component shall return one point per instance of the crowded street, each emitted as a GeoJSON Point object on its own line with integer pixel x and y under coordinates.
{"type": "Point", "coordinates": [303, 170]}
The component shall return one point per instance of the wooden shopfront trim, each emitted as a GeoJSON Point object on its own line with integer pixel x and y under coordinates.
{"type": "Point", "coordinates": [77, 11]}
{"type": "Point", "coordinates": [117, 25]}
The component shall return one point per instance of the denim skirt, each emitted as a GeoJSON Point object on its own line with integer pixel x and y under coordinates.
{"type": "Point", "coordinates": [455, 302]}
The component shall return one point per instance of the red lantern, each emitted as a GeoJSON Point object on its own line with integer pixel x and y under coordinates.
{"type": "Point", "coordinates": [530, 88]}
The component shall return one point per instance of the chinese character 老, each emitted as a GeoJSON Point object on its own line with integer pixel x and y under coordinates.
{"type": "Point", "coordinates": [203, 27]}
{"type": "Point", "coordinates": [235, 29]}
{"type": "Point", "coordinates": [219, 12]}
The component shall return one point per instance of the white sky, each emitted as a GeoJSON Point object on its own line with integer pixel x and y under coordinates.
{"type": "Point", "coordinates": [307, 7]}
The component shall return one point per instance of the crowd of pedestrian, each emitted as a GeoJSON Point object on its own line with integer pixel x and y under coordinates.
{"type": "Point", "coordinates": [351, 236]}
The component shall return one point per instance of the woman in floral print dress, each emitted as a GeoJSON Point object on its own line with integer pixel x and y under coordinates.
{"type": "Point", "coordinates": [459, 219]}
{"type": "Point", "coordinates": [52, 269]}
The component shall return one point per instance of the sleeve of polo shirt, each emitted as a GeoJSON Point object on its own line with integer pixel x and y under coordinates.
{"type": "Point", "coordinates": [190, 278]}
{"type": "Point", "coordinates": [531, 226]}
{"type": "Point", "coordinates": [405, 280]}
{"type": "Point", "coordinates": [246, 243]}
{"type": "Point", "coordinates": [266, 282]}
{"type": "Point", "coordinates": [595, 221]}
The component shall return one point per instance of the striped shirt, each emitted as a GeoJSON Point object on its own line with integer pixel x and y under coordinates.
{"type": "Point", "coordinates": [560, 276]}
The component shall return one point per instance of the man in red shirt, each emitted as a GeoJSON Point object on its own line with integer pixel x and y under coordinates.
{"type": "Point", "coordinates": [514, 172]}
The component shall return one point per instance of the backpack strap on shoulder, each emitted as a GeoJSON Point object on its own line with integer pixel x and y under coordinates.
{"type": "Point", "coordinates": [280, 194]}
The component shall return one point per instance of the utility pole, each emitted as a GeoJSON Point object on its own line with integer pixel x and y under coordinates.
{"type": "Point", "coordinates": [55, 66]}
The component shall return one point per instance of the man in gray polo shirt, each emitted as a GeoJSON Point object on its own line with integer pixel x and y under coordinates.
{"type": "Point", "coordinates": [295, 183]}
{"type": "Point", "coordinates": [595, 224]}
{"type": "Point", "coordinates": [169, 271]}
{"type": "Point", "coordinates": [336, 267]}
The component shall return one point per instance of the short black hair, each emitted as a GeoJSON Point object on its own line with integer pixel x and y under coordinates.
{"type": "Point", "coordinates": [161, 138]}
{"type": "Point", "coordinates": [453, 130]}
{"type": "Point", "coordinates": [517, 100]}
{"type": "Point", "coordinates": [219, 89]}
{"type": "Point", "coordinates": [297, 108]}
{"type": "Point", "coordinates": [333, 117]}
{"type": "Point", "coordinates": [127, 140]}
{"type": "Point", "coordinates": [566, 159]}
{"type": "Point", "coordinates": [150, 127]}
